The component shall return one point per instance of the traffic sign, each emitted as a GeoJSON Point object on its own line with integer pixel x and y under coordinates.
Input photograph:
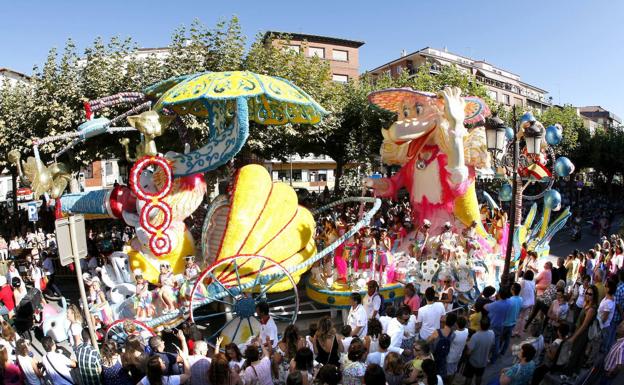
{"type": "Point", "coordinates": [33, 212]}
{"type": "Point", "coordinates": [64, 239]}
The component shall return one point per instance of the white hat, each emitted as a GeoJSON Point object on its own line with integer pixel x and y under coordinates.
{"type": "Point", "coordinates": [137, 271]}
{"type": "Point", "coordinates": [426, 222]}
{"type": "Point", "coordinates": [447, 224]}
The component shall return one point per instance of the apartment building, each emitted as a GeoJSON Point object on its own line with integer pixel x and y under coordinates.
{"type": "Point", "coordinates": [503, 86]}
{"type": "Point", "coordinates": [600, 116]}
{"type": "Point", "coordinates": [342, 54]}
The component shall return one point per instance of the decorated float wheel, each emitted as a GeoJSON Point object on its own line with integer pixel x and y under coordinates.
{"type": "Point", "coordinates": [116, 332]}
{"type": "Point", "coordinates": [225, 296]}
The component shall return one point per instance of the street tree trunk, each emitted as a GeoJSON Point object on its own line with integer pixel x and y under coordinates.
{"type": "Point", "coordinates": [338, 177]}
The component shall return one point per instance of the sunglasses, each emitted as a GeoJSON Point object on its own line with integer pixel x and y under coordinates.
{"type": "Point", "coordinates": [589, 293]}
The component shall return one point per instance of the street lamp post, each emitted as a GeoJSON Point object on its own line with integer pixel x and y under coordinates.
{"type": "Point", "coordinates": [515, 195]}
{"type": "Point", "coordinates": [495, 138]}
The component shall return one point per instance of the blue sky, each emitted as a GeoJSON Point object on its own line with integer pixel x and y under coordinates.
{"type": "Point", "coordinates": [574, 49]}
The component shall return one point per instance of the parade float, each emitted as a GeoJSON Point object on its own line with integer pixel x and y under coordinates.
{"type": "Point", "coordinates": [442, 143]}
{"type": "Point", "coordinates": [256, 240]}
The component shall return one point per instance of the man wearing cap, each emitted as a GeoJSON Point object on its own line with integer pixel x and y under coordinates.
{"type": "Point", "coordinates": [372, 300]}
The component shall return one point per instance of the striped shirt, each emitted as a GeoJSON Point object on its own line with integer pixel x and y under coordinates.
{"type": "Point", "coordinates": [199, 369]}
{"type": "Point", "coordinates": [615, 356]}
{"type": "Point", "coordinates": [88, 360]}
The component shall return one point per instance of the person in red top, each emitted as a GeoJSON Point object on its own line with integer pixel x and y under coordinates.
{"type": "Point", "coordinates": [6, 294]}
{"type": "Point", "coordinates": [412, 300]}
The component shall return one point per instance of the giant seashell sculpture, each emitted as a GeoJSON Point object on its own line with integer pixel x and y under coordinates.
{"type": "Point", "coordinates": [263, 218]}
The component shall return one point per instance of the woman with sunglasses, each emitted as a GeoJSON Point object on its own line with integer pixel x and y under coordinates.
{"type": "Point", "coordinates": [580, 337]}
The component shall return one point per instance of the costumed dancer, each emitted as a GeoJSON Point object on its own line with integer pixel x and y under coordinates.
{"type": "Point", "coordinates": [99, 308]}
{"type": "Point", "coordinates": [383, 257]}
{"type": "Point", "coordinates": [472, 243]}
{"type": "Point", "coordinates": [447, 242]}
{"type": "Point", "coordinates": [191, 271]}
{"type": "Point", "coordinates": [421, 239]}
{"type": "Point", "coordinates": [143, 298]}
{"type": "Point", "coordinates": [331, 235]}
{"type": "Point", "coordinates": [367, 250]}
{"type": "Point", "coordinates": [167, 285]}
{"type": "Point", "coordinates": [350, 251]}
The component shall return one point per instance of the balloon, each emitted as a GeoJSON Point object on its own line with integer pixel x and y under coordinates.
{"type": "Point", "coordinates": [504, 194]}
{"type": "Point", "coordinates": [552, 200]}
{"type": "Point", "coordinates": [553, 135]}
{"type": "Point", "coordinates": [526, 119]}
{"type": "Point", "coordinates": [564, 166]}
{"type": "Point", "coordinates": [509, 133]}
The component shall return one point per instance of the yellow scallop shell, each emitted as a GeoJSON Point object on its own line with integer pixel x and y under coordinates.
{"type": "Point", "coordinates": [265, 219]}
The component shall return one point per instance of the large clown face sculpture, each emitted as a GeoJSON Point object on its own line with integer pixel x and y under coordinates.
{"type": "Point", "coordinates": [437, 153]}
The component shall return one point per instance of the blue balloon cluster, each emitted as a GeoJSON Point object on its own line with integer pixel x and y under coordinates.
{"type": "Point", "coordinates": [509, 133]}
{"type": "Point", "coordinates": [504, 194]}
{"type": "Point", "coordinates": [554, 134]}
{"type": "Point", "coordinates": [552, 200]}
{"type": "Point", "coordinates": [564, 166]}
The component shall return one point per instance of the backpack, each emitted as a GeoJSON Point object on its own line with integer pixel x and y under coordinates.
{"type": "Point", "coordinates": [382, 306]}
{"type": "Point", "coordinates": [442, 346]}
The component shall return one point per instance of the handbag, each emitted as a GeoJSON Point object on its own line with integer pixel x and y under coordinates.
{"type": "Point", "coordinates": [70, 380]}
{"type": "Point", "coordinates": [594, 330]}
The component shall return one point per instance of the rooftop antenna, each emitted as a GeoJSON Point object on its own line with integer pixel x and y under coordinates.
{"type": "Point", "coordinates": [403, 52]}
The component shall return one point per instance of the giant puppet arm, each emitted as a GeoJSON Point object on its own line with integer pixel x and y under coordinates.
{"type": "Point", "coordinates": [454, 110]}
{"type": "Point", "coordinates": [387, 187]}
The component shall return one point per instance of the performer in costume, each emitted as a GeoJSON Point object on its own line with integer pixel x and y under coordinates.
{"type": "Point", "coordinates": [331, 235]}
{"type": "Point", "coordinates": [143, 298]}
{"type": "Point", "coordinates": [351, 251]}
{"type": "Point", "coordinates": [191, 271]}
{"type": "Point", "coordinates": [367, 249]}
{"type": "Point", "coordinates": [447, 243]}
{"type": "Point", "coordinates": [472, 243]}
{"type": "Point", "coordinates": [384, 255]}
{"type": "Point", "coordinates": [421, 239]}
{"type": "Point", "coordinates": [166, 292]}
{"type": "Point", "coordinates": [98, 305]}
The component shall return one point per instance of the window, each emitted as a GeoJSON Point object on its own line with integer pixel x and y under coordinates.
{"type": "Point", "coordinates": [340, 78]}
{"type": "Point", "coordinates": [316, 51]}
{"type": "Point", "coordinates": [109, 167]}
{"type": "Point", "coordinates": [88, 171]}
{"type": "Point", "coordinates": [340, 55]}
{"type": "Point", "coordinates": [506, 99]}
{"type": "Point", "coordinates": [518, 102]}
{"type": "Point", "coordinates": [292, 47]}
{"type": "Point", "coordinates": [493, 95]}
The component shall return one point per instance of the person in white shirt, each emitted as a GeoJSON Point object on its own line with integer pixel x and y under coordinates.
{"type": "Point", "coordinates": [357, 317]}
{"type": "Point", "coordinates": [56, 364]}
{"type": "Point", "coordinates": [429, 315]}
{"type": "Point", "coordinates": [378, 357]}
{"type": "Point", "coordinates": [527, 293]}
{"type": "Point", "coordinates": [268, 328]}
{"type": "Point", "coordinates": [396, 328]}
{"type": "Point", "coordinates": [372, 300]}
{"type": "Point", "coordinates": [606, 310]}
{"type": "Point", "coordinates": [457, 347]}
{"type": "Point", "coordinates": [346, 337]}
{"type": "Point", "coordinates": [389, 314]}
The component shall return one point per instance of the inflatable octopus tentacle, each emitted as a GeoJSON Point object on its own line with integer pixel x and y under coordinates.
{"type": "Point", "coordinates": [553, 228]}
{"type": "Point", "coordinates": [222, 146]}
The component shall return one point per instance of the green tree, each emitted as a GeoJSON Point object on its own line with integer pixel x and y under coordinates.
{"type": "Point", "coordinates": [572, 127]}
